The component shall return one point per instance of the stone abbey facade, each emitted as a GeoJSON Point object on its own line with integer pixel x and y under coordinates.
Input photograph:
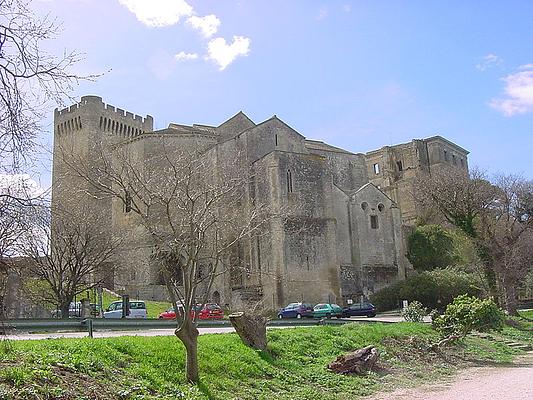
{"type": "Point", "coordinates": [344, 241]}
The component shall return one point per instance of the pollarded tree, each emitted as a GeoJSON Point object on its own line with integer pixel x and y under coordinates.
{"type": "Point", "coordinates": [196, 215]}
{"type": "Point", "coordinates": [67, 257]}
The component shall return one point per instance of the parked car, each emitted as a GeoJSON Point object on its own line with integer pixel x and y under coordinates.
{"type": "Point", "coordinates": [296, 310]}
{"type": "Point", "coordinates": [74, 310]}
{"type": "Point", "coordinates": [359, 309]}
{"type": "Point", "coordinates": [209, 311]}
{"type": "Point", "coordinates": [327, 310]}
{"type": "Point", "coordinates": [137, 310]}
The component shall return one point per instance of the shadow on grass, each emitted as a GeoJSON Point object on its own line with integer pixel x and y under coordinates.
{"type": "Point", "coordinates": [202, 387]}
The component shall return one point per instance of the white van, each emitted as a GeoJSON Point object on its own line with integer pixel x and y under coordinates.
{"type": "Point", "coordinates": [137, 310]}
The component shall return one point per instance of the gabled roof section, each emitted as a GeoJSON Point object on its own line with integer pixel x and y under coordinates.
{"type": "Point", "coordinates": [371, 186]}
{"type": "Point", "coordinates": [320, 145]}
{"type": "Point", "coordinates": [233, 126]}
{"type": "Point", "coordinates": [275, 120]}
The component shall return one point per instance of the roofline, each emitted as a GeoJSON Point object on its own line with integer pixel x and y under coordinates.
{"type": "Point", "coordinates": [428, 139]}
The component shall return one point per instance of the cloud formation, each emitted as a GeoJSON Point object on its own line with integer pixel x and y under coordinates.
{"type": "Point", "coordinates": [489, 61]}
{"type": "Point", "coordinates": [518, 91]}
{"type": "Point", "coordinates": [182, 56]}
{"type": "Point", "coordinates": [223, 54]}
{"type": "Point", "coordinates": [159, 13]}
{"type": "Point", "coordinates": [208, 25]}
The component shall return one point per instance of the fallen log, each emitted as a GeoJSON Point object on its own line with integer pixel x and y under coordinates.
{"type": "Point", "coordinates": [357, 362]}
{"type": "Point", "coordinates": [251, 329]}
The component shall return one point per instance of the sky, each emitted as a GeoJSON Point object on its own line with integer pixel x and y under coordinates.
{"type": "Point", "coordinates": [356, 74]}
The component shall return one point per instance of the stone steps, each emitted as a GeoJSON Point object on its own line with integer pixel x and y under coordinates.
{"type": "Point", "coordinates": [511, 343]}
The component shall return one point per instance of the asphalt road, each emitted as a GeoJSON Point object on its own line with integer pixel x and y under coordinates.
{"type": "Point", "coordinates": [160, 332]}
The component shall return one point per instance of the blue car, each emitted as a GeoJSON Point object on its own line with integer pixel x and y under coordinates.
{"type": "Point", "coordinates": [359, 310]}
{"type": "Point", "coordinates": [296, 310]}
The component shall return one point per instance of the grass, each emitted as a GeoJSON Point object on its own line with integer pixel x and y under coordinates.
{"type": "Point", "coordinates": [526, 314]}
{"type": "Point", "coordinates": [294, 368]}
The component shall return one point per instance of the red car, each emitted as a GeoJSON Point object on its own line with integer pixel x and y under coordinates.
{"type": "Point", "coordinates": [209, 311]}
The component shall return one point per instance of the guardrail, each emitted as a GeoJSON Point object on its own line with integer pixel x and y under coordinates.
{"type": "Point", "coordinates": [82, 325]}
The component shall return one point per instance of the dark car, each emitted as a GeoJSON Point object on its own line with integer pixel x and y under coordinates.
{"type": "Point", "coordinates": [359, 309]}
{"type": "Point", "coordinates": [296, 310]}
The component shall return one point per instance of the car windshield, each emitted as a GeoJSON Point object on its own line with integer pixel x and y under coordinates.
{"type": "Point", "coordinates": [292, 305]}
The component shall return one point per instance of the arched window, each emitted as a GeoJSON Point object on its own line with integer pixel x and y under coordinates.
{"type": "Point", "coordinates": [381, 207]}
{"type": "Point", "coordinates": [364, 205]}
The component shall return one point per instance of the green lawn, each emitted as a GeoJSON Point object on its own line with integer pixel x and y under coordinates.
{"type": "Point", "coordinates": [152, 367]}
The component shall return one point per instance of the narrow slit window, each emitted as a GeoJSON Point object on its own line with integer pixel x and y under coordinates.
{"type": "Point", "coordinates": [276, 138]}
{"type": "Point", "coordinates": [445, 155]}
{"type": "Point", "coordinates": [127, 202]}
{"type": "Point", "coordinates": [374, 224]}
{"type": "Point", "coordinates": [399, 165]}
{"type": "Point", "coordinates": [376, 169]}
{"type": "Point", "coordinates": [289, 181]}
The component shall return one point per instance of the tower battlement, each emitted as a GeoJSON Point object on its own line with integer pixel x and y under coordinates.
{"type": "Point", "coordinates": [106, 116]}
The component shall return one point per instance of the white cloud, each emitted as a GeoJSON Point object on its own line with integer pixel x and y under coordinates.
{"type": "Point", "coordinates": [182, 56]}
{"type": "Point", "coordinates": [525, 67]}
{"type": "Point", "coordinates": [518, 93]}
{"type": "Point", "coordinates": [159, 13]}
{"type": "Point", "coordinates": [489, 61]}
{"type": "Point", "coordinates": [322, 14]}
{"type": "Point", "coordinates": [224, 54]}
{"type": "Point", "coordinates": [208, 25]}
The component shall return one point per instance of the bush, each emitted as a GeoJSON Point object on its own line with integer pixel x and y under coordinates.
{"type": "Point", "coordinates": [434, 289]}
{"type": "Point", "coordinates": [430, 247]}
{"type": "Point", "coordinates": [466, 314]}
{"type": "Point", "coordinates": [414, 312]}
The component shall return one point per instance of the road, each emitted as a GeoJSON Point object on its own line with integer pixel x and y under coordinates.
{"type": "Point", "coordinates": [158, 331]}
{"type": "Point", "coordinates": [513, 382]}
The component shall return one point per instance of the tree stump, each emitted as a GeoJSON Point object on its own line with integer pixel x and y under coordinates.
{"type": "Point", "coordinates": [251, 329]}
{"type": "Point", "coordinates": [358, 361]}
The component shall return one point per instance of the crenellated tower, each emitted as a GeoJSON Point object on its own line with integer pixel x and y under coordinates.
{"type": "Point", "coordinates": [81, 131]}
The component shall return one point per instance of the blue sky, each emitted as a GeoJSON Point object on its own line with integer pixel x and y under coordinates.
{"type": "Point", "coordinates": [356, 74]}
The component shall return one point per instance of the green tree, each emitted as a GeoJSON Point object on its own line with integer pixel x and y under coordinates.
{"type": "Point", "coordinates": [430, 247]}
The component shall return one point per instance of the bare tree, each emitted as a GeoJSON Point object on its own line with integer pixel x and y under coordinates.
{"type": "Point", "coordinates": [17, 199]}
{"type": "Point", "coordinates": [68, 257]}
{"type": "Point", "coordinates": [195, 214]}
{"type": "Point", "coordinates": [496, 216]}
{"type": "Point", "coordinates": [506, 230]}
{"type": "Point", "coordinates": [30, 78]}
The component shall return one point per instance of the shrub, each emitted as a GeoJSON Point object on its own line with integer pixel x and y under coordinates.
{"type": "Point", "coordinates": [466, 314]}
{"type": "Point", "coordinates": [434, 289]}
{"type": "Point", "coordinates": [430, 247]}
{"type": "Point", "coordinates": [414, 312]}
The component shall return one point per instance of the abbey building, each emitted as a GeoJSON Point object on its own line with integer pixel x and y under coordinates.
{"type": "Point", "coordinates": [344, 240]}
